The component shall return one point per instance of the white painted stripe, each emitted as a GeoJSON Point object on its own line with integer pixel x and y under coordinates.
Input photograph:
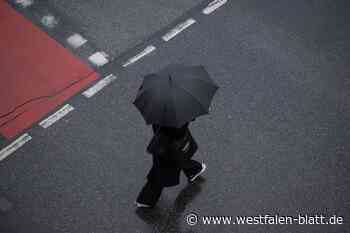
{"type": "Point", "coordinates": [15, 145]}
{"type": "Point", "coordinates": [212, 6]}
{"type": "Point", "coordinates": [24, 3]}
{"type": "Point", "coordinates": [56, 116]}
{"type": "Point", "coordinates": [143, 53]}
{"type": "Point", "coordinates": [99, 58]}
{"type": "Point", "coordinates": [99, 86]}
{"type": "Point", "coordinates": [76, 40]}
{"type": "Point", "coordinates": [49, 21]}
{"type": "Point", "coordinates": [177, 29]}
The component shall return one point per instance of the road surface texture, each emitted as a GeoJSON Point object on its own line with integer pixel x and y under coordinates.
{"type": "Point", "coordinates": [115, 26]}
{"type": "Point", "coordinates": [276, 141]}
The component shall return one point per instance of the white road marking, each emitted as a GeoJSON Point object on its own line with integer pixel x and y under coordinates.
{"type": "Point", "coordinates": [177, 29]}
{"type": "Point", "coordinates": [143, 53]}
{"type": "Point", "coordinates": [56, 116]}
{"type": "Point", "coordinates": [49, 21]}
{"type": "Point", "coordinates": [212, 6]}
{"type": "Point", "coordinates": [15, 145]}
{"type": "Point", "coordinates": [99, 58]}
{"type": "Point", "coordinates": [24, 3]}
{"type": "Point", "coordinates": [76, 40]}
{"type": "Point", "coordinates": [99, 86]}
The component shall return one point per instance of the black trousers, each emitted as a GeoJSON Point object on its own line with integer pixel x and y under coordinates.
{"type": "Point", "coordinates": [165, 173]}
{"type": "Point", "coordinates": [189, 167]}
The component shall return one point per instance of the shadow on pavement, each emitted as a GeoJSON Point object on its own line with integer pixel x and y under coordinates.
{"type": "Point", "coordinates": [174, 219]}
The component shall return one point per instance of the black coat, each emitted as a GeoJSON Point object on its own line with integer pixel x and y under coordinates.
{"type": "Point", "coordinates": [165, 171]}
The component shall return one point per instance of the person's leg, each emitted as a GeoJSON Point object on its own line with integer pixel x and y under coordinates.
{"type": "Point", "coordinates": [194, 173]}
{"type": "Point", "coordinates": [191, 168]}
{"type": "Point", "coordinates": [149, 194]}
{"type": "Point", "coordinates": [152, 190]}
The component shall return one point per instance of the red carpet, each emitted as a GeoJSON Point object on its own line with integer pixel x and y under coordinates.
{"type": "Point", "coordinates": [37, 74]}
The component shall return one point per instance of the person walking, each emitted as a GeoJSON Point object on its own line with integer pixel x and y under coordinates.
{"type": "Point", "coordinates": [172, 150]}
{"type": "Point", "coordinates": [170, 100]}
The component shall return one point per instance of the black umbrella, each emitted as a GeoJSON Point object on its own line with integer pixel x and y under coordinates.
{"type": "Point", "coordinates": [175, 95]}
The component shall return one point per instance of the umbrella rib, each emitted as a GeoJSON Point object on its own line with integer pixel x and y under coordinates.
{"type": "Point", "coordinates": [171, 96]}
{"type": "Point", "coordinates": [207, 82]}
{"type": "Point", "coordinates": [163, 113]}
{"type": "Point", "coordinates": [189, 93]}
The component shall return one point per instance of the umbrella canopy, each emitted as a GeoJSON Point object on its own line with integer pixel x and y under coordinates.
{"type": "Point", "coordinates": [175, 95]}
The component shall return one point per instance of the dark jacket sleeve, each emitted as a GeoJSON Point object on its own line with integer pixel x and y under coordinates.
{"type": "Point", "coordinates": [159, 145]}
{"type": "Point", "coordinates": [167, 140]}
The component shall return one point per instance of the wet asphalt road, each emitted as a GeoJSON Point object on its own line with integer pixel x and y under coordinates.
{"type": "Point", "coordinates": [276, 142]}
{"type": "Point", "coordinates": [115, 26]}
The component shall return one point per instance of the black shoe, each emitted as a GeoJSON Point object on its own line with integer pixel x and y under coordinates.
{"type": "Point", "coordinates": [193, 177]}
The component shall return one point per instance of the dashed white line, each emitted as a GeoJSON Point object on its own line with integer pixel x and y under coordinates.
{"type": "Point", "coordinates": [56, 116]}
{"type": "Point", "coordinates": [99, 58]}
{"type": "Point", "coordinates": [76, 40]}
{"type": "Point", "coordinates": [177, 29]}
{"type": "Point", "coordinates": [24, 3]}
{"type": "Point", "coordinates": [15, 145]}
{"type": "Point", "coordinates": [49, 21]}
{"type": "Point", "coordinates": [212, 6]}
{"type": "Point", "coordinates": [143, 53]}
{"type": "Point", "coordinates": [99, 86]}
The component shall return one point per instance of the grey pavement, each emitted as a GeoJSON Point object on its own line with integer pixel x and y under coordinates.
{"type": "Point", "coordinates": [115, 26]}
{"type": "Point", "coordinates": [276, 141]}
